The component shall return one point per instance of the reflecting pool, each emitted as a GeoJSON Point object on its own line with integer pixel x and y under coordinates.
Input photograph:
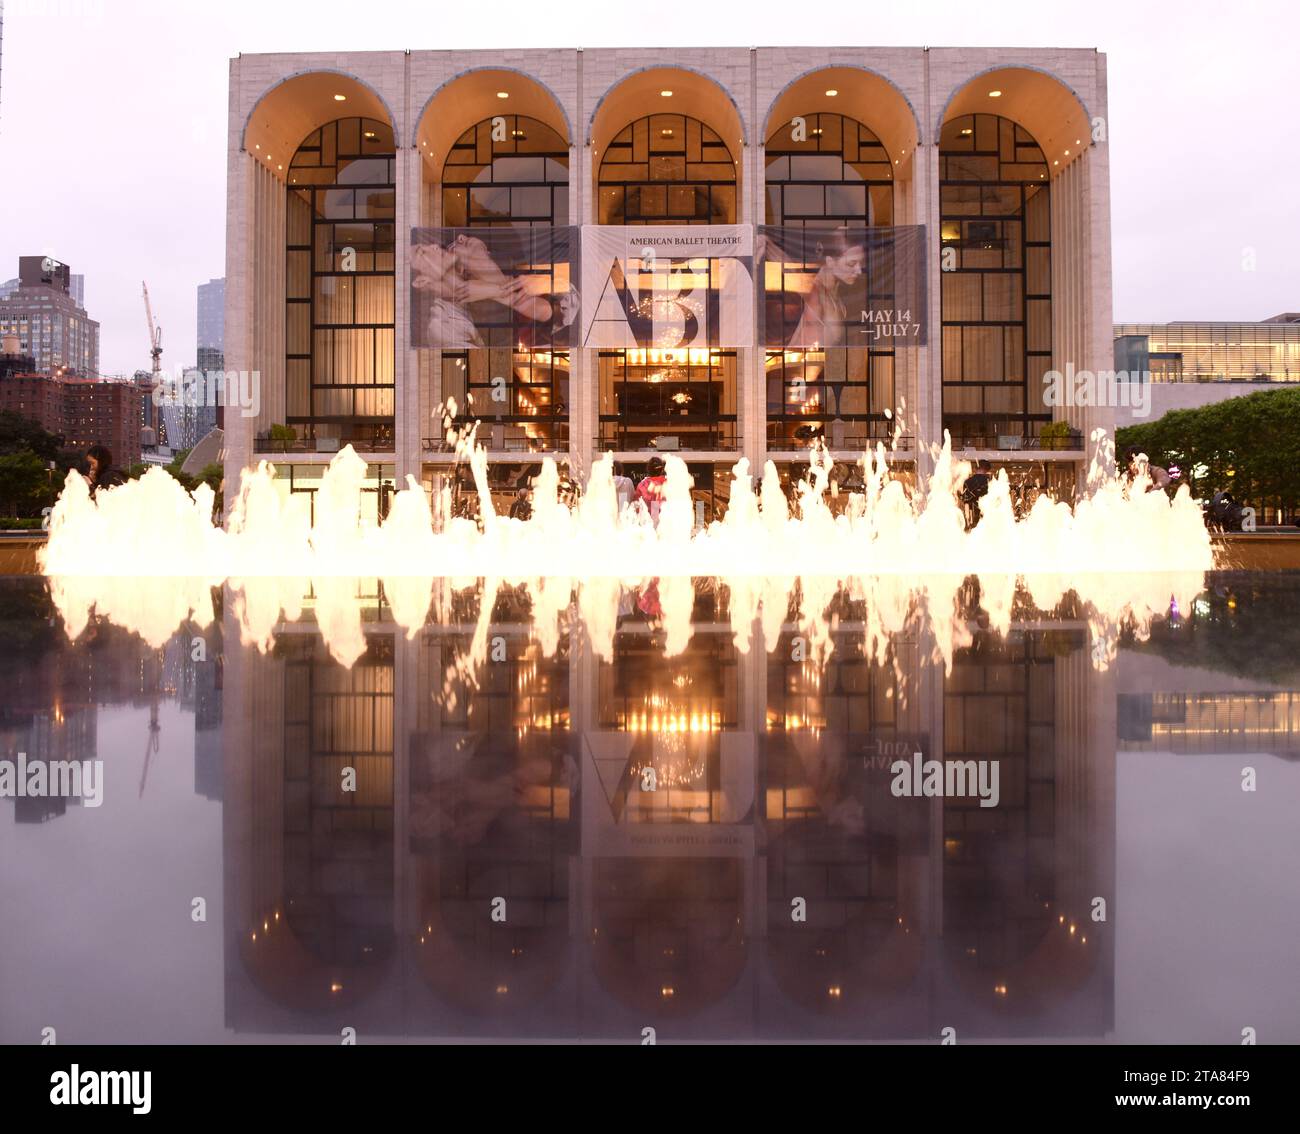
{"type": "Point", "coordinates": [748, 810]}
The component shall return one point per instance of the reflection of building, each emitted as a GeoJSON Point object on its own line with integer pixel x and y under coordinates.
{"type": "Point", "coordinates": [335, 159]}
{"type": "Point", "coordinates": [500, 766]}
{"type": "Point", "coordinates": [1198, 364]}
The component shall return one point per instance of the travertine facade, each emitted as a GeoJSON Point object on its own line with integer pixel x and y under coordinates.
{"type": "Point", "coordinates": [903, 95]}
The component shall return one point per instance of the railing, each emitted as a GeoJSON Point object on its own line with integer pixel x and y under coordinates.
{"type": "Point", "coordinates": [801, 431]}
{"type": "Point", "coordinates": [1014, 442]}
{"type": "Point", "coordinates": [507, 434]}
{"type": "Point", "coordinates": [329, 445]}
{"type": "Point", "coordinates": [623, 433]}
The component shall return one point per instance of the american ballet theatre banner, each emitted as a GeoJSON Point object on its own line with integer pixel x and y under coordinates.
{"type": "Point", "coordinates": [494, 287]}
{"type": "Point", "coordinates": [667, 287]}
{"type": "Point", "coordinates": [842, 287]}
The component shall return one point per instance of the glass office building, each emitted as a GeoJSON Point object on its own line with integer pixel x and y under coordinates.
{"type": "Point", "coordinates": [1212, 352]}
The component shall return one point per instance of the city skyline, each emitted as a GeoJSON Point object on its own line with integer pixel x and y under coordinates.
{"type": "Point", "coordinates": [1174, 257]}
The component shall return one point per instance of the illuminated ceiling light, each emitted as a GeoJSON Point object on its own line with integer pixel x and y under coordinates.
{"type": "Point", "coordinates": [1067, 153]}
{"type": "Point", "coordinates": [832, 93]}
{"type": "Point", "coordinates": [279, 167]}
{"type": "Point", "coordinates": [340, 98]}
{"type": "Point", "coordinates": [666, 133]}
{"type": "Point", "coordinates": [370, 133]}
{"type": "Point", "coordinates": [258, 146]}
{"type": "Point", "coordinates": [995, 94]}
{"type": "Point", "coordinates": [665, 94]}
{"type": "Point", "coordinates": [966, 133]}
{"type": "Point", "coordinates": [503, 94]}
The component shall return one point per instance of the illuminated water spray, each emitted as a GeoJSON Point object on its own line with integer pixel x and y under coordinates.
{"type": "Point", "coordinates": [1124, 551]}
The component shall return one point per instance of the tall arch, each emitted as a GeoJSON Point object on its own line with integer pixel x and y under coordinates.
{"type": "Point", "coordinates": [666, 149]}
{"type": "Point", "coordinates": [995, 230]}
{"type": "Point", "coordinates": [340, 250]}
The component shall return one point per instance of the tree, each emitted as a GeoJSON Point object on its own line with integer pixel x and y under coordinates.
{"type": "Point", "coordinates": [1249, 446]}
{"type": "Point", "coordinates": [20, 434]}
{"type": "Point", "coordinates": [24, 484]}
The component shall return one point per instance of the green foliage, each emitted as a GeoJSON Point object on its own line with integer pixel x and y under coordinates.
{"type": "Point", "coordinates": [24, 484]}
{"type": "Point", "coordinates": [281, 432]}
{"type": "Point", "coordinates": [1249, 446]}
{"type": "Point", "coordinates": [19, 434]}
{"type": "Point", "coordinates": [1054, 434]}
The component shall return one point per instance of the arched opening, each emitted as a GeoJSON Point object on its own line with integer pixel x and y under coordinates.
{"type": "Point", "coordinates": [496, 156]}
{"type": "Point", "coordinates": [667, 169]}
{"type": "Point", "coordinates": [509, 171]}
{"type": "Point", "coordinates": [830, 177]}
{"type": "Point", "coordinates": [996, 298]}
{"type": "Point", "coordinates": [340, 248]}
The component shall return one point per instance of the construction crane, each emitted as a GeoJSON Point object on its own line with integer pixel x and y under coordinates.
{"type": "Point", "coordinates": [155, 335]}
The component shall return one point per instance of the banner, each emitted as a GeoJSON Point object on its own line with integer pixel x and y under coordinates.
{"type": "Point", "coordinates": [841, 287]}
{"type": "Point", "coordinates": [494, 287]}
{"type": "Point", "coordinates": [667, 287]}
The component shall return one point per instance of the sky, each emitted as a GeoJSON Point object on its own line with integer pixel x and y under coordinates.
{"type": "Point", "coordinates": [113, 127]}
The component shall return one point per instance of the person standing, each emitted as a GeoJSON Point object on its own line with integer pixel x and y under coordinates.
{"type": "Point", "coordinates": [974, 490]}
{"type": "Point", "coordinates": [651, 489]}
{"type": "Point", "coordinates": [99, 469]}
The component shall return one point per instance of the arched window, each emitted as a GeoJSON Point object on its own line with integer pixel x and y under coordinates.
{"type": "Point", "coordinates": [827, 171]}
{"type": "Point", "coordinates": [509, 170]}
{"type": "Point", "coordinates": [339, 226]}
{"type": "Point", "coordinates": [996, 301]}
{"type": "Point", "coordinates": [506, 170]}
{"type": "Point", "coordinates": [667, 169]}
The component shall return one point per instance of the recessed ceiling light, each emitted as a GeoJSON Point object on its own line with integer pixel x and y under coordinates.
{"type": "Point", "coordinates": [503, 94]}
{"type": "Point", "coordinates": [258, 146]}
{"type": "Point", "coordinates": [340, 98]}
{"type": "Point", "coordinates": [995, 94]}
{"type": "Point", "coordinates": [665, 94]}
{"type": "Point", "coordinates": [1067, 153]}
{"type": "Point", "coordinates": [832, 93]}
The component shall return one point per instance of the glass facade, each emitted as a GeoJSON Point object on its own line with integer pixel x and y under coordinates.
{"type": "Point", "coordinates": [996, 297]}
{"type": "Point", "coordinates": [510, 170]}
{"type": "Point", "coordinates": [339, 280]}
{"type": "Point", "coordinates": [827, 172]}
{"type": "Point", "coordinates": [667, 169]}
{"type": "Point", "coordinates": [1211, 352]}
